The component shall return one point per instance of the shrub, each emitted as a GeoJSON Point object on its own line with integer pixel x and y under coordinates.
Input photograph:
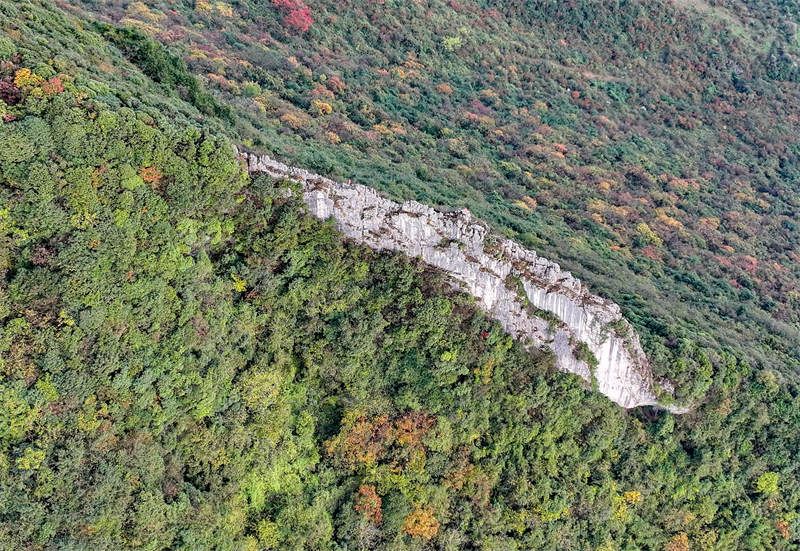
{"type": "Point", "coordinates": [251, 89]}
{"type": "Point", "coordinates": [7, 48]}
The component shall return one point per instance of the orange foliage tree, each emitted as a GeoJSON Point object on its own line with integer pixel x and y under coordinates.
{"type": "Point", "coordinates": [150, 174]}
{"type": "Point", "coordinates": [421, 523]}
{"type": "Point", "coordinates": [367, 441]}
{"type": "Point", "coordinates": [678, 543]}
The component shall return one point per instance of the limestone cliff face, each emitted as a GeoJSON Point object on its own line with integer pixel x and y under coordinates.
{"type": "Point", "coordinates": [532, 298]}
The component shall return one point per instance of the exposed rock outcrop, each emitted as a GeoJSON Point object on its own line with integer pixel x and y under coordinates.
{"type": "Point", "coordinates": [532, 298]}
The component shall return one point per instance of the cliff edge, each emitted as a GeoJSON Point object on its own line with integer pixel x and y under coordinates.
{"type": "Point", "coordinates": [532, 298]}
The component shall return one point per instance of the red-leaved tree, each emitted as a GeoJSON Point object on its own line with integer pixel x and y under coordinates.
{"type": "Point", "coordinates": [297, 16]}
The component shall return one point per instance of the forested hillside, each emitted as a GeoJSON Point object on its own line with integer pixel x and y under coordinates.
{"type": "Point", "coordinates": [189, 361]}
{"type": "Point", "coordinates": [648, 146]}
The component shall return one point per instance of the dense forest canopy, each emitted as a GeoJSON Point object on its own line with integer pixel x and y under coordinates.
{"type": "Point", "coordinates": [189, 361]}
{"type": "Point", "coordinates": [648, 146]}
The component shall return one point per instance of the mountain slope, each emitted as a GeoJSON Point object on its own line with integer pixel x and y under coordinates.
{"type": "Point", "coordinates": [648, 147]}
{"type": "Point", "coordinates": [189, 361]}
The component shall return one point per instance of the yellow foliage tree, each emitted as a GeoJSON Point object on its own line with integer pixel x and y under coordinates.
{"type": "Point", "coordinates": [321, 108]}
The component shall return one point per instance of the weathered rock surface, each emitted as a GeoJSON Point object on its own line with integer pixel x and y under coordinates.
{"type": "Point", "coordinates": [511, 284]}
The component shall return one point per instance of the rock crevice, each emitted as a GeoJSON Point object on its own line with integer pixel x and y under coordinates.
{"type": "Point", "coordinates": [532, 297]}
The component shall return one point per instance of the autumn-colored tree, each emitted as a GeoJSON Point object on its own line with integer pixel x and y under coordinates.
{"type": "Point", "coordinates": [421, 523]}
{"type": "Point", "coordinates": [633, 496]}
{"type": "Point", "coordinates": [150, 174]}
{"type": "Point", "coordinates": [411, 428]}
{"type": "Point", "coordinates": [460, 476]}
{"type": "Point", "coordinates": [364, 442]}
{"type": "Point", "coordinates": [297, 16]}
{"type": "Point", "coordinates": [52, 87]}
{"type": "Point", "coordinates": [300, 19]}
{"type": "Point", "coordinates": [367, 441]}
{"type": "Point", "coordinates": [294, 121]}
{"type": "Point", "coordinates": [336, 84]}
{"type": "Point", "coordinates": [783, 528]}
{"type": "Point", "coordinates": [26, 78]}
{"type": "Point", "coordinates": [10, 94]}
{"type": "Point", "coordinates": [678, 543]}
{"type": "Point", "coordinates": [444, 89]}
{"type": "Point", "coordinates": [368, 503]}
{"type": "Point", "coordinates": [321, 108]}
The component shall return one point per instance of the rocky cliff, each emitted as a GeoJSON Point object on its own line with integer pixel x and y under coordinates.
{"type": "Point", "coordinates": [532, 298]}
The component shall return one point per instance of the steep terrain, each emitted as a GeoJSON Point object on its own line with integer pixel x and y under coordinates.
{"type": "Point", "coordinates": [531, 297]}
{"type": "Point", "coordinates": [647, 146]}
{"type": "Point", "coordinates": [190, 360]}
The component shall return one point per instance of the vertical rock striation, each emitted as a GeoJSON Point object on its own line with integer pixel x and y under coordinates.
{"type": "Point", "coordinates": [532, 298]}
